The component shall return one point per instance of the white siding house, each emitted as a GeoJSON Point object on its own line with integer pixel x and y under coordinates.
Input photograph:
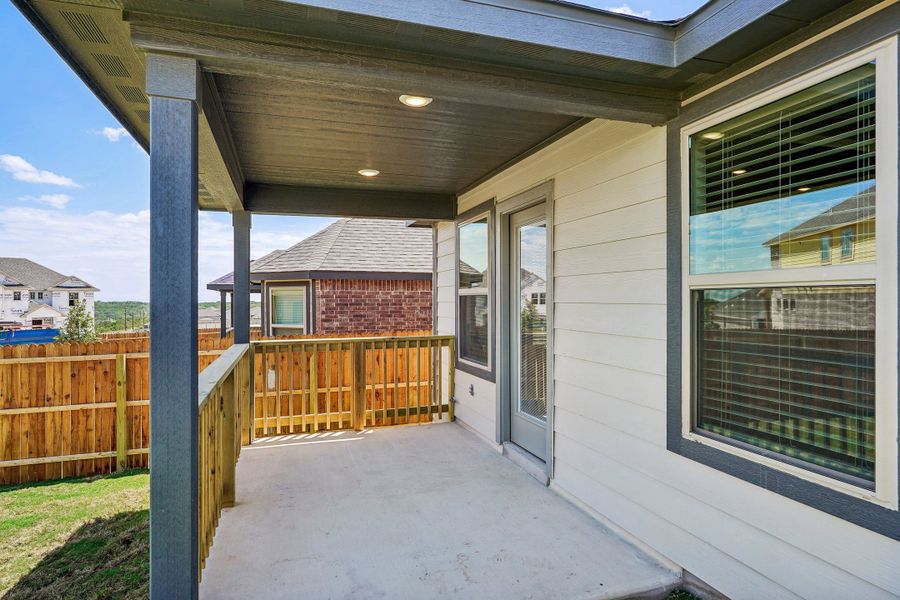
{"type": "Point", "coordinates": [613, 187]}
{"type": "Point", "coordinates": [35, 297]}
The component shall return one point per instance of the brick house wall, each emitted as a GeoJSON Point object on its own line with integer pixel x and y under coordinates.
{"type": "Point", "coordinates": [369, 306]}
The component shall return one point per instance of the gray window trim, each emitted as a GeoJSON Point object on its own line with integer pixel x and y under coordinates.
{"type": "Point", "coordinates": [488, 373]}
{"type": "Point", "coordinates": [854, 510]}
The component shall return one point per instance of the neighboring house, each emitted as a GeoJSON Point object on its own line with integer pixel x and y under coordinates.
{"type": "Point", "coordinates": [354, 276]}
{"type": "Point", "coordinates": [845, 233]}
{"type": "Point", "coordinates": [35, 297]}
{"type": "Point", "coordinates": [533, 291]}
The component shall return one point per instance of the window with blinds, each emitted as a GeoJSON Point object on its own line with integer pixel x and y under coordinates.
{"type": "Point", "coordinates": [783, 369]}
{"type": "Point", "coordinates": [791, 370]}
{"type": "Point", "coordinates": [289, 307]}
{"type": "Point", "coordinates": [774, 180]}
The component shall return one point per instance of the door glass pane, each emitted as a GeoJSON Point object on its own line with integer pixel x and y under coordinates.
{"type": "Point", "coordinates": [532, 260]}
{"type": "Point", "coordinates": [791, 370]}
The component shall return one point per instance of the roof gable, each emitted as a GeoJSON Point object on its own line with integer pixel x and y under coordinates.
{"type": "Point", "coordinates": [854, 209]}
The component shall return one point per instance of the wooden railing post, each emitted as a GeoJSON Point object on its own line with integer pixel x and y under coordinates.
{"type": "Point", "coordinates": [229, 399]}
{"type": "Point", "coordinates": [451, 379]}
{"type": "Point", "coordinates": [359, 386]}
{"type": "Point", "coordinates": [121, 414]}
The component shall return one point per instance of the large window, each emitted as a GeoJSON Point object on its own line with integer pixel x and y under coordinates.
{"type": "Point", "coordinates": [288, 313]}
{"type": "Point", "coordinates": [785, 280]}
{"type": "Point", "coordinates": [474, 291]}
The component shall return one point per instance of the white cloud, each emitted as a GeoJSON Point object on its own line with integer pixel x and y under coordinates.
{"type": "Point", "coordinates": [625, 9]}
{"type": "Point", "coordinates": [112, 250]}
{"type": "Point", "coordinates": [58, 201]}
{"type": "Point", "coordinates": [113, 134]}
{"type": "Point", "coordinates": [22, 170]}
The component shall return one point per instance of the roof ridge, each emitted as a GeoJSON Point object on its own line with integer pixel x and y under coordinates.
{"type": "Point", "coordinates": [339, 227]}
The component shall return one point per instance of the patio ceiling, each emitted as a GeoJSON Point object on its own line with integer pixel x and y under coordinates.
{"type": "Point", "coordinates": [299, 96]}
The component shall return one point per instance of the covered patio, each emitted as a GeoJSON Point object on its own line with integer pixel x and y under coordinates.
{"type": "Point", "coordinates": [425, 511]}
{"type": "Point", "coordinates": [296, 108]}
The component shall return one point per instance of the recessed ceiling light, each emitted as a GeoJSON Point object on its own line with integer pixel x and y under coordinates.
{"type": "Point", "coordinates": [416, 101]}
{"type": "Point", "coordinates": [803, 189]}
{"type": "Point", "coordinates": [739, 171]}
{"type": "Point", "coordinates": [369, 172]}
{"type": "Point", "coordinates": [713, 135]}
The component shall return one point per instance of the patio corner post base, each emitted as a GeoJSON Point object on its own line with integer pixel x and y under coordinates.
{"type": "Point", "coordinates": [173, 84]}
{"type": "Point", "coordinates": [241, 297]}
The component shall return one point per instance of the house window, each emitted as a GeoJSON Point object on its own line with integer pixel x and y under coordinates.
{"type": "Point", "coordinates": [474, 291]}
{"type": "Point", "coordinates": [767, 188]}
{"type": "Point", "coordinates": [17, 295]}
{"type": "Point", "coordinates": [288, 313]}
{"type": "Point", "coordinates": [73, 298]}
{"type": "Point", "coordinates": [40, 295]}
{"type": "Point", "coordinates": [539, 298]}
{"type": "Point", "coordinates": [847, 243]}
{"type": "Point", "coordinates": [32, 295]}
{"type": "Point", "coordinates": [825, 248]}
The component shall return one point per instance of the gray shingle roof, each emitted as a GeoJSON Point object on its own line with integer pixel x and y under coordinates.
{"type": "Point", "coordinates": [357, 245]}
{"type": "Point", "coordinates": [351, 246]}
{"type": "Point", "coordinates": [228, 280]}
{"type": "Point", "coordinates": [32, 275]}
{"type": "Point", "coordinates": [854, 209]}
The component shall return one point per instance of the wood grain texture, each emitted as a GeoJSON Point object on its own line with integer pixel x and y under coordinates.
{"type": "Point", "coordinates": [173, 369]}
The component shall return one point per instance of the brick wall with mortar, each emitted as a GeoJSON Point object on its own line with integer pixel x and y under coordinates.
{"type": "Point", "coordinates": [368, 306]}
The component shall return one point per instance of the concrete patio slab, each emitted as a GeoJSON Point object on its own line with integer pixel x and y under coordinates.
{"type": "Point", "coordinates": [410, 512]}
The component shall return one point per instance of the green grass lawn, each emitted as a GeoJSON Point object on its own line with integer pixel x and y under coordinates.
{"type": "Point", "coordinates": [76, 538]}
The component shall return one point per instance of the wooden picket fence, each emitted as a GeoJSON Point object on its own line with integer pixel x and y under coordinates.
{"type": "Point", "coordinates": [71, 410]}
{"type": "Point", "coordinates": [305, 386]}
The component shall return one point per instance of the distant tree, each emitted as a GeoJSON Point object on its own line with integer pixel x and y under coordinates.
{"type": "Point", "coordinates": [79, 326]}
{"type": "Point", "coordinates": [530, 317]}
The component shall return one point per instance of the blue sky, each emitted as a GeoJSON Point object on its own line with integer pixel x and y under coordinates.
{"type": "Point", "coordinates": [74, 188]}
{"type": "Point", "coordinates": [658, 10]}
{"type": "Point", "coordinates": [733, 239]}
{"type": "Point", "coordinates": [74, 197]}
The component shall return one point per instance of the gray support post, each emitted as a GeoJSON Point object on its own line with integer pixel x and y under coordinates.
{"type": "Point", "coordinates": [172, 84]}
{"type": "Point", "coordinates": [223, 314]}
{"type": "Point", "coordinates": [240, 301]}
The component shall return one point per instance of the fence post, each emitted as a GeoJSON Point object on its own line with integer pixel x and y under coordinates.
{"type": "Point", "coordinates": [229, 390]}
{"type": "Point", "coordinates": [451, 379]}
{"type": "Point", "coordinates": [121, 414]}
{"type": "Point", "coordinates": [359, 386]}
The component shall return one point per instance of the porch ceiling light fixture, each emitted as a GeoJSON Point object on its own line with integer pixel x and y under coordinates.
{"type": "Point", "coordinates": [416, 101]}
{"type": "Point", "coordinates": [712, 135]}
{"type": "Point", "coordinates": [803, 189]}
{"type": "Point", "coordinates": [369, 172]}
{"type": "Point", "coordinates": [739, 171]}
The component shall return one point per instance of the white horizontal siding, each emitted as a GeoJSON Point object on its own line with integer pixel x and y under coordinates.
{"type": "Point", "coordinates": [444, 286]}
{"type": "Point", "coordinates": [610, 390]}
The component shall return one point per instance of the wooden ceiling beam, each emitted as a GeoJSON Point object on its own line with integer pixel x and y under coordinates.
{"type": "Point", "coordinates": [348, 202]}
{"type": "Point", "coordinates": [220, 167]}
{"type": "Point", "coordinates": [246, 52]}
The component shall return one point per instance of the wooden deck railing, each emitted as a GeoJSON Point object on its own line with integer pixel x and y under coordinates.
{"type": "Point", "coordinates": [304, 386]}
{"type": "Point", "coordinates": [223, 426]}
